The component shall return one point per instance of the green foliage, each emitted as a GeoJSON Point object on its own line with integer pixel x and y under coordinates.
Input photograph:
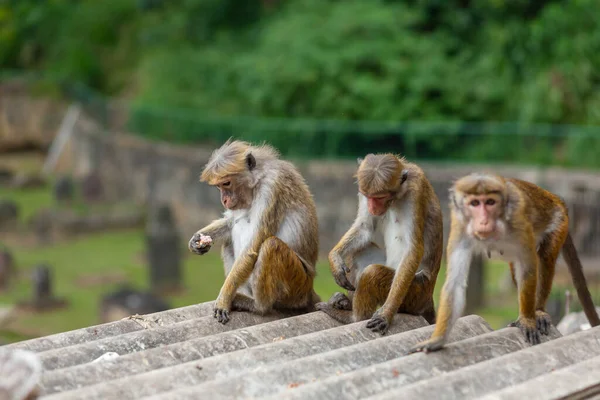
{"type": "Point", "coordinates": [244, 67]}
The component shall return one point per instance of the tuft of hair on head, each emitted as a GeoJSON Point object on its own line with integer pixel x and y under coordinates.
{"type": "Point", "coordinates": [235, 157]}
{"type": "Point", "coordinates": [377, 171]}
{"type": "Point", "coordinates": [20, 373]}
{"type": "Point", "coordinates": [480, 183]}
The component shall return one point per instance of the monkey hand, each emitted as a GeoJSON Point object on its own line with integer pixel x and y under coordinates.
{"type": "Point", "coordinates": [379, 322]}
{"type": "Point", "coordinates": [341, 278]}
{"type": "Point", "coordinates": [221, 310]}
{"type": "Point", "coordinates": [529, 329]}
{"type": "Point", "coordinates": [433, 344]}
{"type": "Point", "coordinates": [200, 244]}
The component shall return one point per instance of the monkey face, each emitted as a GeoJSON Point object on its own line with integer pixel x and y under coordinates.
{"type": "Point", "coordinates": [234, 194]}
{"type": "Point", "coordinates": [378, 204]}
{"type": "Point", "coordinates": [484, 212]}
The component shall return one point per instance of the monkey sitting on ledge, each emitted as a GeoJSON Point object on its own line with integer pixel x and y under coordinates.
{"type": "Point", "coordinates": [524, 224]}
{"type": "Point", "coordinates": [269, 231]}
{"type": "Point", "coordinates": [391, 254]}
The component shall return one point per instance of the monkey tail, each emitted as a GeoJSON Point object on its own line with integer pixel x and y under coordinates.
{"type": "Point", "coordinates": [575, 268]}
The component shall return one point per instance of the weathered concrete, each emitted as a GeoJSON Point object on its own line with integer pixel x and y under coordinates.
{"type": "Point", "coordinates": [148, 339]}
{"type": "Point", "coordinates": [583, 377]}
{"type": "Point", "coordinates": [511, 369]}
{"type": "Point", "coordinates": [132, 324]}
{"type": "Point", "coordinates": [326, 335]}
{"type": "Point", "coordinates": [401, 371]}
{"type": "Point", "coordinates": [275, 378]}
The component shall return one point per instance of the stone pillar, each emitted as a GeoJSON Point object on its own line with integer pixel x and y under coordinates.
{"type": "Point", "coordinates": [7, 269]}
{"type": "Point", "coordinates": [163, 248]}
{"type": "Point", "coordinates": [9, 215]}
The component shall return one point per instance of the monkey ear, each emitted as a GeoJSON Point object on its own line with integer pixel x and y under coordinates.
{"type": "Point", "coordinates": [403, 176]}
{"type": "Point", "coordinates": [250, 161]}
{"type": "Point", "coordinates": [452, 196]}
{"type": "Point", "coordinates": [359, 160]}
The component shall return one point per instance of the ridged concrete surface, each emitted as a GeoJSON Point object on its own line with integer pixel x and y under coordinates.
{"type": "Point", "coordinates": [185, 354]}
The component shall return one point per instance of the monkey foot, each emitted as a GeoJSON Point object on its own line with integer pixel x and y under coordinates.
{"type": "Point", "coordinates": [529, 329]}
{"type": "Point", "coordinates": [378, 323]}
{"type": "Point", "coordinates": [340, 301]}
{"type": "Point", "coordinates": [325, 307]}
{"type": "Point", "coordinates": [427, 346]}
{"type": "Point", "coordinates": [221, 315]}
{"type": "Point", "coordinates": [543, 321]}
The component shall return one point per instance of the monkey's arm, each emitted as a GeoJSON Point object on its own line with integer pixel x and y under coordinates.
{"type": "Point", "coordinates": [405, 273]}
{"type": "Point", "coordinates": [453, 296]}
{"type": "Point", "coordinates": [244, 265]}
{"type": "Point", "coordinates": [218, 229]}
{"type": "Point", "coordinates": [355, 239]}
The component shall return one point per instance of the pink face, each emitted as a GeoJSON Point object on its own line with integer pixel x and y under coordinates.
{"type": "Point", "coordinates": [378, 204]}
{"type": "Point", "coordinates": [484, 211]}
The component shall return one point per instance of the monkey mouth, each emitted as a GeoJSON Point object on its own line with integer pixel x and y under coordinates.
{"type": "Point", "coordinates": [483, 236]}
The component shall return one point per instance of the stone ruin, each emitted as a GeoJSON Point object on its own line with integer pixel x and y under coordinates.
{"type": "Point", "coordinates": [9, 215]}
{"type": "Point", "coordinates": [127, 301]}
{"type": "Point", "coordinates": [43, 298]}
{"type": "Point", "coordinates": [92, 188]}
{"type": "Point", "coordinates": [63, 190]}
{"type": "Point", "coordinates": [163, 247]}
{"type": "Point", "coordinates": [7, 269]}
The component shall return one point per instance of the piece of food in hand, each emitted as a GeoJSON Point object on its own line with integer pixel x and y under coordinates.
{"type": "Point", "coordinates": [204, 241]}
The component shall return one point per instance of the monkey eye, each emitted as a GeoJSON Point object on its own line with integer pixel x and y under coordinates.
{"type": "Point", "coordinates": [226, 184]}
{"type": "Point", "coordinates": [490, 202]}
{"type": "Point", "coordinates": [474, 203]}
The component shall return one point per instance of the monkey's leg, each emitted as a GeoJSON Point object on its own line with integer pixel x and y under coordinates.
{"type": "Point", "coordinates": [511, 265]}
{"type": "Point", "coordinates": [373, 287]}
{"type": "Point", "coordinates": [419, 298]}
{"type": "Point", "coordinates": [526, 274]}
{"type": "Point", "coordinates": [280, 278]}
{"type": "Point", "coordinates": [548, 254]}
{"type": "Point", "coordinates": [241, 302]}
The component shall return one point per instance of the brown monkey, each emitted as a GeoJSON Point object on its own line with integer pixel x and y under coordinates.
{"type": "Point", "coordinates": [269, 231]}
{"type": "Point", "coordinates": [528, 226]}
{"type": "Point", "coordinates": [392, 252]}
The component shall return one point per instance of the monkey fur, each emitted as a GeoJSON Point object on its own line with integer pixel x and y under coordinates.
{"type": "Point", "coordinates": [528, 227]}
{"type": "Point", "coordinates": [269, 231]}
{"type": "Point", "coordinates": [391, 254]}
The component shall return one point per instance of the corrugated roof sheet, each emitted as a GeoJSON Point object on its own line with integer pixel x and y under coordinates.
{"type": "Point", "coordinates": [185, 354]}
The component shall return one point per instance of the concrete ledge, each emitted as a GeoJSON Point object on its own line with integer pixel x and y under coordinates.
{"type": "Point", "coordinates": [275, 378]}
{"type": "Point", "coordinates": [577, 381]}
{"type": "Point", "coordinates": [102, 331]}
{"type": "Point", "coordinates": [279, 344]}
{"type": "Point", "coordinates": [401, 371]}
{"type": "Point", "coordinates": [498, 373]}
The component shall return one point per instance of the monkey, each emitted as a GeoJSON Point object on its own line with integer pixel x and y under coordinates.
{"type": "Point", "coordinates": [391, 254]}
{"type": "Point", "coordinates": [21, 372]}
{"type": "Point", "coordinates": [269, 231]}
{"type": "Point", "coordinates": [527, 226]}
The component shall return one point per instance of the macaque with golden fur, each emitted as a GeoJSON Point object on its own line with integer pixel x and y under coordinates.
{"type": "Point", "coordinates": [391, 254]}
{"type": "Point", "coordinates": [269, 231]}
{"type": "Point", "coordinates": [526, 226]}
